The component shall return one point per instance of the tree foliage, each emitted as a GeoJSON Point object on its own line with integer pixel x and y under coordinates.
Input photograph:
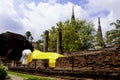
{"type": "Point", "coordinates": [76, 35]}
{"type": "Point", "coordinates": [29, 36]}
{"type": "Point", "coordinates": [116, 24]}
{"type": "Point", "coordinates": [99, 40]}
{"type": "Point", "coordinates": [3, 73]}
{"type": "Point", "coordinates": [39, 45]}
{"type": "Point", "coordinates": [113, 36]}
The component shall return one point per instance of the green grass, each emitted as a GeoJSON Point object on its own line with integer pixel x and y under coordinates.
{"type": "Point", "coordinates": [26, 76]}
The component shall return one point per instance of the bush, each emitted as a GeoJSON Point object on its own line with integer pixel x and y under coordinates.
{"type": "Point", "coordinates": [3, 73]}
{"type": "Point", "coordinates": [4, 67]}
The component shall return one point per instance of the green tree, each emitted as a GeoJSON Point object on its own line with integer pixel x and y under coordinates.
{"type": "Point", "coordinates": [76, 35]}
{"type": "Point", "coordinates": [99, 40]}
{"type": "Point", "coordinates": [113, 36]}
{"type": "Point", "coordinates": [29, 36]}
{"type": "Point", "coordinates": [52, 39]}
{"type": "Point", "coordinates": [116, 24]}
{"type": "Point", "coordinates": [39, 45]}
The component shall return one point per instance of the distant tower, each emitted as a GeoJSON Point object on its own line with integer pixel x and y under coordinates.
{"type": "Point", "coordinates": [99, 28]}
{"type": "Point", "coordinates": [99, 34]}
{"type": "Point", "coordinates": [73, 16]}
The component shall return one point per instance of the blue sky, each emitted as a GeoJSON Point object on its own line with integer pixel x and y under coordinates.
{"type": "Point", "coordinates": [37, 16]}
{"type": "Point", "coordinates": [78, 2]}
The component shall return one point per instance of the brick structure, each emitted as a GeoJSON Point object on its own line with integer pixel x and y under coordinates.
{"type": "Point", "coordinates": [46, 41]}
{"type": "Point", "coordinates": [106, 60]}
{"type": "Point", "coordinates": [12, 45]}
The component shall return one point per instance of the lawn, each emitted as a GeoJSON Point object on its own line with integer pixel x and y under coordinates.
{"type": "Point", "coordinates": [29, 77]}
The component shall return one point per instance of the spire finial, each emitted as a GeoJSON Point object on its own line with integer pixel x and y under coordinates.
{"type": "Point", "coordinates": [99, 27]}
{"type": "Point", "coordinates": [99, 20]}
{"type": "Point", "coordinates": [73, 16]}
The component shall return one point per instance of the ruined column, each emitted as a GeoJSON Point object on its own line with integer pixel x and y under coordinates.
{"type": "Point", "coordinates": [59, 41]}
{"type": "Point", "coordinates": [46, 41]}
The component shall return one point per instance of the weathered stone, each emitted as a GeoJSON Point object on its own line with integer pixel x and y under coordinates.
{"type": "Point", "coordinates": [101, 61]}
{"type": "Point", "coordinates": [46, 41]}
{"type": "Point", "coordinates": [12, 45]}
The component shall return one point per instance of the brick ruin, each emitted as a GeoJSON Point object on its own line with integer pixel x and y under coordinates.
{"type": "Point", "coordinates": [104, 60]}
{"type": "Point", "coordinates": [96, 65]}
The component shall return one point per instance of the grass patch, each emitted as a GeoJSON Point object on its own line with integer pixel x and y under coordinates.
{"type": "Point", "coordinates": [28, 77]}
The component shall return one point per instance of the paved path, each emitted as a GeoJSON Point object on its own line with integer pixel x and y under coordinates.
{"type": "Point", "coordinates": [13, 77]}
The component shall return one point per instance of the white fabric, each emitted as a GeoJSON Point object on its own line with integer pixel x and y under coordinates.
{"type": "Point", "coordinates": [25, 54]}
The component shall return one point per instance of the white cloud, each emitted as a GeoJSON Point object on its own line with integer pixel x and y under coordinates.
{"type": "Point", "coordinates": [41, 17]}
{"type": "Point", "coordinates": [45, 15]}
{"type": "Point", "coordinates": [9, 19]}
{"type": "Point", "coordinates": [95, 6]}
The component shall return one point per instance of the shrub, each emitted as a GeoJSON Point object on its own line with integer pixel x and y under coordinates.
{"type": "Point", "coordinates": [4, 67]}
{"type": "Point", "coordinates": [3, 73]}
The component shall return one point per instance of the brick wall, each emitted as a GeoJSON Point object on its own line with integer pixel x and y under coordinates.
{"type": "Point", "coordinates": [106, 60]}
